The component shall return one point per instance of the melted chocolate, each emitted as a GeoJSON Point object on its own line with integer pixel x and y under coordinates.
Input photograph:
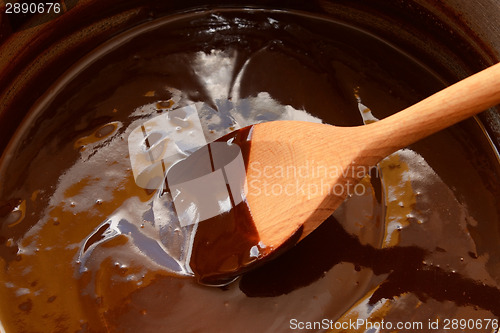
{"type": "Point", "coordinates": [83, 247]}
{"type": "Point", "coordinates": [226, 243]}
{"type": "Point", "coordinates": [404, 265]}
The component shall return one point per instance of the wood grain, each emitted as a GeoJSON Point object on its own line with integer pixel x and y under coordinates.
{"type": "Point", "coordinates": [291, 171]}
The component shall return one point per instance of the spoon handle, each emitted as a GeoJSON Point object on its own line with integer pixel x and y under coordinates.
{"type": "Point", "coordinates": [447, 107]}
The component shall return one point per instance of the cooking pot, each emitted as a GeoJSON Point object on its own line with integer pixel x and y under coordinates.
{"type": "Point", "coordinates": [453, 39]}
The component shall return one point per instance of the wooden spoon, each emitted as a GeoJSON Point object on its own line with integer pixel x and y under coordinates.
{"type": "Point", "coordinates": [298, 173]}
{"type": "Point", "coordinates": [350, 150]}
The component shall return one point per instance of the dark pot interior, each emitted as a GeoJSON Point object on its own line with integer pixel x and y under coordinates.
{"type": "Point", "coordinates": [455, 38]}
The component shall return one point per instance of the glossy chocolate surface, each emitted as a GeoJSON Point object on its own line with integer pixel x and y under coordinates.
{"type": "Point", "coordinates": [84, 247]}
